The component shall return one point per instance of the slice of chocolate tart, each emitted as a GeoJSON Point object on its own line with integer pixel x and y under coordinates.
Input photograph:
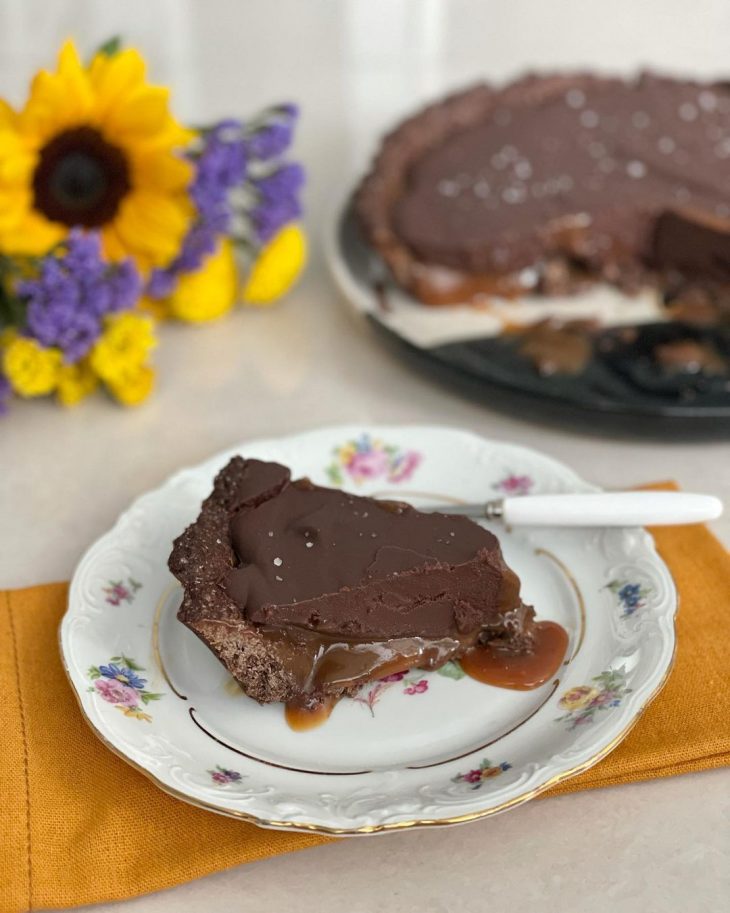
{"type": "Point", "coordinates": [305, 593]}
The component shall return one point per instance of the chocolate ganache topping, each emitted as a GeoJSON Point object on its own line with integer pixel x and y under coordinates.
{"type": "Point", "coordinates": [337, 564]}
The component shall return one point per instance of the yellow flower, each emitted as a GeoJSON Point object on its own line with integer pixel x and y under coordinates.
{"type": "Point", "coordinates": [277, 267]}
{"type": "Point", "coordinates": [134, 712]}
{"type": "Point", "coordinates": [155, 307]}
{"type": "Point", "coordinates": [76, 382]}
{"type": "Point", "coordinates": [94, 146]}
{"type": "Point", "coordinates": [123, 348]}
{"type": "Point", "coordinates": [346, 453]}
{"type": "Point", "coordinates": [208, 293]}
{"type": "Point", "coordinates": [135, 387]}
{"type": "Point", "coordinates": [31, 369]}
{"type": "Point", "coordinates": [579, 697]}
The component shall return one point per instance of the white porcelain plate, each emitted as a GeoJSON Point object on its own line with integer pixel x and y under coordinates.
{"type": "Point", "coordinates": [425, 748]}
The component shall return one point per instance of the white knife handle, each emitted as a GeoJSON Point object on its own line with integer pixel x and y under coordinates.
{"type": "Point", "coordinates": [626, 508]}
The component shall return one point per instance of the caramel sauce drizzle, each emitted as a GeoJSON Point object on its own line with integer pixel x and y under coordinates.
{"type": "Point", "coordinates": [519, 672]}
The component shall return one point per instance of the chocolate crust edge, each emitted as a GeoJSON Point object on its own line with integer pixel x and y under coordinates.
{"type": "Point", "coordinates": [199, 558]}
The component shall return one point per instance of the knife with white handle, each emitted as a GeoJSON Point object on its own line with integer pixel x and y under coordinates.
{"type": "Point", "coordinates": [605, 508]}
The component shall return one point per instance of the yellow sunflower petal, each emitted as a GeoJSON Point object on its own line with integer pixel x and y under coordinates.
{"type": "Point", "coordinates": [16, 166]}
{"type": "Point", "coordinates": [113, 77]}
{"type": "Point", "coordinates": [32, 234]}
{"type": "Point", "coordinates": [158, 169]}
{"type": "Point", "coordinates": [112, 245]}
{"type": "Point", "coordinates": [14, 204]}
{"type": "Point", "coordinates": [144, 113]}
{"type": "Point", "coordinates": [152, 225]}
{"type": "Point", "coordinates": [8, 115]}
{"type": "Point", "coordinates": [58, 100]}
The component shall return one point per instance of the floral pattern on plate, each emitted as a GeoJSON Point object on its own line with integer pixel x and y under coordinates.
{"type": "Point", "coordinates": [119, 683]}
{"type": "Point", "coordinates": [583, 702]}
{"type": "Point", "coordinates": [514, 485]}
{"type": "Point", "coordinates": [631, 596]}
{"type": "Point", "coordinates": [364, 458]}
{"type": "Point", "coordinates": [223, 775]}
{"type": "Point", "coordinates": [475, 778]}
{"type": "Point", "coordinates": [118, 591]}
{"type": "Point", "coordinates": [370, 694]}
{"type": "Point", "coordinates": [452, 669]}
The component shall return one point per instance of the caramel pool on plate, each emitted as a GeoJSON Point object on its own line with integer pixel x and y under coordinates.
{"type": "Point", "coordinates": [521, 672]}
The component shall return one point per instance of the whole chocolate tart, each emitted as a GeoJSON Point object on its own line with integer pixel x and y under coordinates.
{"type": "Point", "coordinates": [304, 593]}
{"type": "Point", "coordinates": [553, 182]}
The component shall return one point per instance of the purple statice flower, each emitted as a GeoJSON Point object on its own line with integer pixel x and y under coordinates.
{"type": "Point", "coordinates": [5, 393]}
{"type": "Point", "coordinates": [219, 167]}
{"type": "Point", "coordinates": [273, 138]}
{"type": "Point", "coordinates": [278, 200]}
{"type": "Point", "coordinates": [73, 292]}
{"type": "Point", "coordinates": [231, 156]}
{"type": "Point", "coordinates": [161, 283]}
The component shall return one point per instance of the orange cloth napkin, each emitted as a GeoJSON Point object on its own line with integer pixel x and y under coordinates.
{"type": "Point", "coordinates": [78, 825]}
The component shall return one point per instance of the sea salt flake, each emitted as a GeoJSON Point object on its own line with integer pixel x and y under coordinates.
{"type": "Point", "coordinates": [574, 98]}
{"type": "Point", "coordinates": [310, 544]}
{"type": "Point", "coordinates": [278, 562]}
{"type": "Point", "coordinates": [528, 278]}
{"type": "Point", "coordinates": [448, 188]}
{"type": "Point", "coordinates": [596, 150]}
{"type": "Point", "coordinates": [280, 579]}
{"type": "Point", "coordinates": [688, 112]}
{"type": "Point", "coordinates": [707, 100]}
{"type": "Point", "coordinates": [481, 189]}
{"type": "Point", "coordinates": [523, 170]}
{"type": "Point", "coordinates": [636, 169]}
{"type": "Point", "coordinates": [666, 145]}
{"type": "Point", "coordinates": [513, 194]}
{"type": "Point", "coordinates": [271, 532]}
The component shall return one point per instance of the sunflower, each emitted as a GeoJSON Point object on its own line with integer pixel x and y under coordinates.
{"type": "Point", "coordinates": [95, 147]}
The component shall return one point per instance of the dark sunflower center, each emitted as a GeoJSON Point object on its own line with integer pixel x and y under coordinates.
{"type": "Point", "coordinates": [80, 179]}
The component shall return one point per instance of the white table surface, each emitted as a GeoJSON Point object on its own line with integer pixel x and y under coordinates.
{"type": "Point", "coordinates": [355, 67]}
